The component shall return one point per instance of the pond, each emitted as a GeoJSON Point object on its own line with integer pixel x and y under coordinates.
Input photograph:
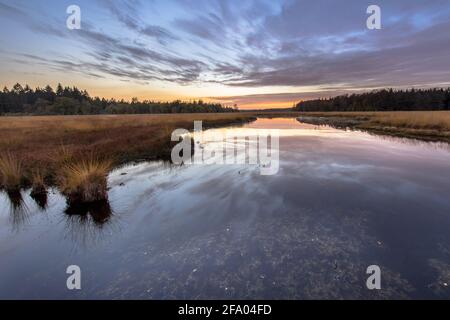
{"type": "Point", "coordinates": [341, 201]}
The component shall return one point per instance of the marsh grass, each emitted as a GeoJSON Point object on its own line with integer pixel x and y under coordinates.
{"type": "Point", "coordinates": [57, 150]}
{"type": "Point", "coordinates": [11, 172]}
{"type": "Point", "coordinates": [49, 143]}
{"type": "Point", "coordinates": [415, 120]}
{"type": "Point", "coordinates": [63, 155]}
{"type": "Point", "coordinates": [38, 182]}
{"type": "Point", "coordinates": [85, 181]}
{"type": "Point", "coordinates": [38, 190]}
{"type": "Point", "coordinates": [425, 125]}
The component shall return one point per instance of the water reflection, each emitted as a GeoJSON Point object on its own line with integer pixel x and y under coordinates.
{"type": "Point", "coordinates": [18, 209]}
{"type": "Point", "coordinates": [87, 223]}
{"type": "Point", "coordinates": [40, 198]}
{"type": "Point", "coordinates": [379, 135]}
{"type": "Point", "coordinates": [98, 212]}
{"type": "Point", "coordinates": [341, 201]}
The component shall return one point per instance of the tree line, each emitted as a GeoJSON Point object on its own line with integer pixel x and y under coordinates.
{"type": "Point", "coordinates": [73, 101]}
{"type": "Point", "coordinates": [382, 100]}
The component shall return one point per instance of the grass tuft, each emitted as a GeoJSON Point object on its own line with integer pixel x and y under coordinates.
{"type": "Point", "coordinates": [38, 181]}
{"type": "Point", "coordinates": [85, 181]}
{"type": "Point", "coordinates": [10, 172]}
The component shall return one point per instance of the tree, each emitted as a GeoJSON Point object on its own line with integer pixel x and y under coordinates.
{"type": "Point", "coordinates": [59, 90]}
{"type": "Point", "coordinates": [17, 89]}
{"type": "Point", "coordinates": [65, 106]}
{"type": "Point", "coordinates": [71, 100]}
{"type": "Point", "coordinates": [382, 100]}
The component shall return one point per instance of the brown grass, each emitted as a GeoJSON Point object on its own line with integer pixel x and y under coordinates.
{"type": "Point", "coordinates": [85, 180]}
{"type": "Point", "coordinates": [415, 120]}
{"type": "Point", "coordinates": [38, 183]}
{"type": "Point", "coordinates": [10, 172]}
{"type": "Point", "coordinates": [426, 125]}
{"type": "Point", "coordinates": [52, 150]}
{"type": "Point", "coordinates": [53, 145]}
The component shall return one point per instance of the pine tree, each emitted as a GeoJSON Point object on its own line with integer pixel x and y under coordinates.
{"type": "Point", "coordinates": [59, 90]}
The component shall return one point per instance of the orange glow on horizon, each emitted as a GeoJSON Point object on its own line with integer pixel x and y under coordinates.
{"type": "Point", "coordinates": [127, 96]}
{"type": "Point", "coordinates": [119, 91]}
{"type": "Point", "coordinates": [267, 105]}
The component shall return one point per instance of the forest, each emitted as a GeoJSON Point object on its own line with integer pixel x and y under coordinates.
{"type": "Point", "coordinates": [23, 100]}
{"type": "Point", "coordinates": [382, 100]}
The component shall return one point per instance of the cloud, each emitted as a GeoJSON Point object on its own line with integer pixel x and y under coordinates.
{"type": "Point", "coordinates": [158, 33]}
{"type": "Point", "coordinates": [118, 57]}
{"type": "Point", "coordinates": [303, 46]}
{"type": "Point", "coordinates": [419, 60]}
{"type": "Point", "coordinates": [10, 11]}
{"type": "Point", "coordinates": [127, 12]}
{"type": "Point", "coordinates": [205, 28]}
{"type": "Point", "coordinates": [254, 43]}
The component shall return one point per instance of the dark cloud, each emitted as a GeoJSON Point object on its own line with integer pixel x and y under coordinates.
{"type": "Point", "coordinates": [326, 43]}
{"type": "Point", "coordinates": [419, 60]}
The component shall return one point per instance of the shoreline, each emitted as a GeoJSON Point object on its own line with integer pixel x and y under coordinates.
{"type": "Point", "coordinates": [396, 124]}
{"type": "Point", "coordinates": [43, 146]}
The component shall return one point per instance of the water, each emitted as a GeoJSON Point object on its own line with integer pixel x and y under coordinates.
{"type": "Point", "coordinates": [340, 202]}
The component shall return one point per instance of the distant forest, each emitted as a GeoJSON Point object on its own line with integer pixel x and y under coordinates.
{"type": "Point", "coordinates": [382, 100]}
{"type": "Point", "coordinates": [73, 101]}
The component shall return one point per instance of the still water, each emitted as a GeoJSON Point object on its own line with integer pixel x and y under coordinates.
{"type": "Point", "coordinates": [340, 202]}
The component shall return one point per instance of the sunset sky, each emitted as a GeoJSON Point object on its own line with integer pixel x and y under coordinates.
{"type": "Point", "coordinates": [255, 53]}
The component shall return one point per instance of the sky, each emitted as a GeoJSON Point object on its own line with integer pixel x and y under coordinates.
{"type": "Point", "coordinates": [253, 53]}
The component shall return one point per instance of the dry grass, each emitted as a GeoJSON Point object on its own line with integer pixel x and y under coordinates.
{"type": "Point", "coordinates": [52, 145]}
{"type": "Point", "coordinates": [41, 151]}
{"type": "Point", "coordinates": [426, 125]}
{"type": "Point", "coordinates": [439, 120]}
{"type": "Point", "coordinates": [38, 182]}
{"type": "Point", "coordinates": [10, 172]}
{"type": "Point", "coordinates": [416, 120]}
{"type": "Point", "coordinates": [86, 180]}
